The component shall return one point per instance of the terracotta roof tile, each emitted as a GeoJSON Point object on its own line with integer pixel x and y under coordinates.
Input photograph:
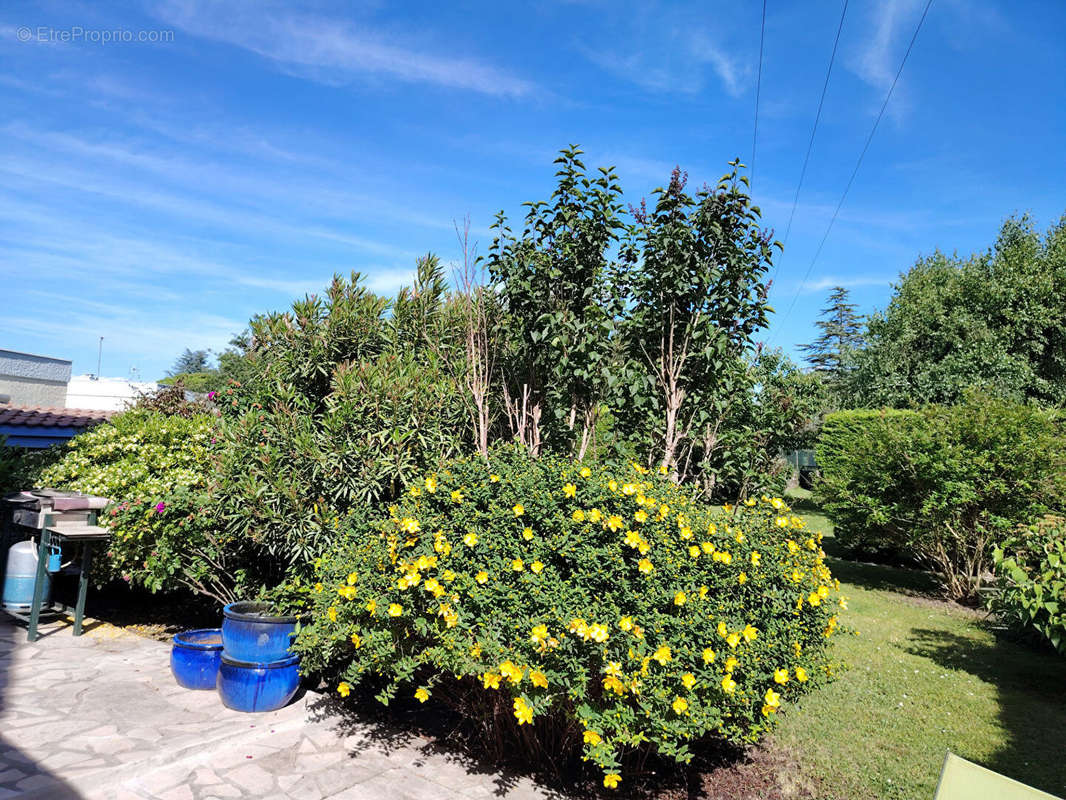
{"type": "Point", "coordinates": [46, 417]}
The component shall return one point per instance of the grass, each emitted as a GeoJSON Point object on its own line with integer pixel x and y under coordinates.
{"type": "Point", "coordinates": [925, 677]}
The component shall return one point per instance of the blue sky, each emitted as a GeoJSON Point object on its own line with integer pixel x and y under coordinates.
{"type": "Point", "coordinates": [160, 193]}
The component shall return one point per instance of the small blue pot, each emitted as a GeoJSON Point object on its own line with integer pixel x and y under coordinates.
{"type": "Point", "coordinates": [195, 657]}
{"type": "Point", "coordinates": [245, 686]}
{"type": "Point", "coordinates": [251, 634]}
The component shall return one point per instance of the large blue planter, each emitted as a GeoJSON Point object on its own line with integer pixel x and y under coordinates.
{"type": "Point", "coordinates": [268, 686]}
{"type": "Point", "coordinates": [195, 657]}
{"type": "Point", "coordinates": [250, 633]}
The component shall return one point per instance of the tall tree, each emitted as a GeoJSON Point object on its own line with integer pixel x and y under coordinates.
{"type": "Point", "coordinates": [554, 285]}
{"type": "Point", "coordinates": [697, 295]}
{"type": "Point", "coordinates": [191, 361]}
{"type": "Point", "coordinates": [995, 320]}
{"type": "Point", "coordinates": [841, 335]}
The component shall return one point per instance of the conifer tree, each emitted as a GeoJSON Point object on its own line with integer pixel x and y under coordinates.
{"type": "Point", "coordinates": [841, 335]}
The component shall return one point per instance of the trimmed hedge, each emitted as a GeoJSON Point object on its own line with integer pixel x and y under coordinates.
{"type": "Point", "coordinates": [942, 483]}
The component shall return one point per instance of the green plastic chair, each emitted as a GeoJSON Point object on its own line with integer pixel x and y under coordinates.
{"type": "Point", "coordinates": [963, 780]}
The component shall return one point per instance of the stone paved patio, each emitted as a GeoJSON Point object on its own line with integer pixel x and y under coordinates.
{"type": "Point", "coordinates": [101, 717]}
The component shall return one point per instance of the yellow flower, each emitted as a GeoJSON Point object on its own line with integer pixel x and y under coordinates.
{"type": "Point", "coordinates": [494, 478]}
{"type": "Point", "coordinates": [792, 546]}
{"type": "Point", "coordinates": [539, 634]}
{"type": "Point", "coordinates": [688, 680]}
{"type": "Point", "coordinates": [431, 484]}
{"type": "Point", "coordinates": [755, 558]}
{"type": "Point", "coordinates": [536, 566]}
{"type": "Point", "coordinates": [598, 633]}
{"type": "Point", "coordinates": [801, 674]}
{"type": "Point", "coordinates": [512, 671]}
{"type": "Point", "coordinates": [475, 651]}
{"type": "Point", "coordinates": [614, 522]}
{"type": "Point", "coordinates": [517, 565]}
{"type": "Point", "coordinates": [728, 685]}
{"type": "Point", "coordinates": [733, 640]}
{"type": "Point", "coordinates": [353, 577]}
{"type": "Point", "coordinates": [680, 705]}
{"type": "Point", "coordinates": [578, 515]}
{"type": "Point", "coordinates": [522, 712]}
{"type": "Point", "coordinates": [679, 599]}
{"type": "Point", "coordinates": [685, 532]}
{"type": "Point", "coordinates": [585, 472]}
{"type": "Point", "coordinates": [318, 588]}
{"type": "Point", "coordinates": [481, 577]}
{"type": "Point", "coordinates": [663, 469]}
{"type": "Point", "coordinates": [595, 515]}
{"type": "Point", "coordinates": [421, 695]}
{"type": "Point", "coordinates": [518, 509]}
{"type": "Point", "coordinates": [410, 525]}
{"type": "Point", "coordinates": [641, 516]}
{"type": "Point", "coordinates": [750, 633]}
{"type": "Point", "coordinates": [344, 688]}
{"type": "Point", "coordinates": [772, 698]}
{"type": "Point", "coordinates": [538, 678]}
{"type": "Point", "coordinates": [592, 737]}
{"type": "Point", "coordinates": [626, 623]}
{"type": "Point", "coordinates": [416, 491]}
{"type": "Point", "coordinates": [694, 551]}
{"type": "Point", "coordinates": [662, 655]}
{"type": "Point", "coordinates": [742, 578]}
{"type": "Point", "coordinates": [708, 655]}
{"type": "Point", "coordinates": [371, 606]}
{"type": "Point", "coordinates": [470, 539]}
{"type": "Point", "coordinates": [457, 496]}
{"type": "Point", "coordinates": [731, 664]}
{"type": "Point", "coordinates": [490, 680]}
{"type": "Point", "coordinates": [611, 781]}
{"type": "Point", "coordinates": [527, 533]}
{"type": "Point", "coordinates": [331, 612]}
{"type": "Point", "coordinates": [612, 684]}
{"type": "Point", "coordinates": [645, 566]}
{"type": "Point", "coordinates": [629, 488]}
{"type": "Point", "coordinates": [814, 599]}
{"type": "Point", "coordinates": [723, 631]}
{"type": "Point", "coordinates": [569, 490]}
{"type": "Point", "coordinates": [357, 640]}
{"type": "Point", "coordinates": [612, 484]}
{"type": "Point", "coordinates": [781, 676]}
{"type": "Point", "coordinates": [395, 609]}
{"type": "Point", "coordinates": [707, 547]}
{"type": "Point", "coordinates": [727, 557]}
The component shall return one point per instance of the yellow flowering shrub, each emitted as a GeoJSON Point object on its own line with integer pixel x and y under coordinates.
{"type": "Point", "coordinates": [649, 619]}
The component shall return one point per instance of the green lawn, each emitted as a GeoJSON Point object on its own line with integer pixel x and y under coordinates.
{"type": "Point", "coordinates": [925, 677]}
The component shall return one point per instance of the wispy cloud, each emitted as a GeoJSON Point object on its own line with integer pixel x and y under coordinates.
{"type": "Point", "coordinates": [333, 51]}
{"type": "Point", "coordinates": [848, 282]}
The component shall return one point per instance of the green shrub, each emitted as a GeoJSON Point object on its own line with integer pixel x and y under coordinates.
{"type": "Point", "coordinates": [1032, 579]}
{"type": "Point", "coordinates": [942, 483]}
{"type": "Point", "coordinates": [21, 467]}
{"type": "Point", "coordinates": [140, 458]}
{"type": "Point", "coordinates": [602, 606]}
{"type": "Point", "coordinates": [137, 454]}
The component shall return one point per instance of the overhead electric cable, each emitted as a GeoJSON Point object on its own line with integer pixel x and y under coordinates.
{"type": "Point", "coordinates": [810, 142]}
{"type": "Point", "coordinates": [758, 89]}
{"type": "Point", "coordinates": [858, 164]}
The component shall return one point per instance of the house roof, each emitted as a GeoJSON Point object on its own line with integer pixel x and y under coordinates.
{"type": "Point", "coordinates": [48, 417]}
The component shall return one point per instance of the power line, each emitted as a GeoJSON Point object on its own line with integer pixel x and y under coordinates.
{"type": "Point", "coordinates": [810, 143]}
{"type": "Point", "coordinates": [858, 163]}
{"type": "Point", "coordinates": [758, 88]}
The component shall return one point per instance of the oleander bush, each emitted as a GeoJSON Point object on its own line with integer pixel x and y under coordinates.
{"type": "Point", "coordinates": [942, 483]}
{"type": "Point", "coordinates": [1031, 566]}
{"type": "Point", "coordinates": [603, 607]}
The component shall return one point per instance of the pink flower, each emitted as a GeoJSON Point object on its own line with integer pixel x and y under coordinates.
{"type": "Point", "coordinates": [159, 507]}
{"type": "Point", "coordinates": [211, 395]}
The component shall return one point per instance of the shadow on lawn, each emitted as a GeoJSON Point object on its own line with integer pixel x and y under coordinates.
{"type": "Point", "coordinates": [878, 577]}
{"type": "Point", "coordinates": [1031, 696]}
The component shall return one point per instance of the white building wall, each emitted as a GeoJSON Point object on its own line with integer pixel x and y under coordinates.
{"type": "Point", "coordinates": [105, 394]}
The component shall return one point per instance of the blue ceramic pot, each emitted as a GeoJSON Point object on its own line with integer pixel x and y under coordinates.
{"type": "Point", "coordinates": [245, 686]}
{"type": "Point", "coordinates": [195, 656]}
{"type": "Point", "coordinates": [250, 633]}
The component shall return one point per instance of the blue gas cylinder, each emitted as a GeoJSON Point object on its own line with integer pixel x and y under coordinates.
{"type": "Point", "coordinates": [19, 578]}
